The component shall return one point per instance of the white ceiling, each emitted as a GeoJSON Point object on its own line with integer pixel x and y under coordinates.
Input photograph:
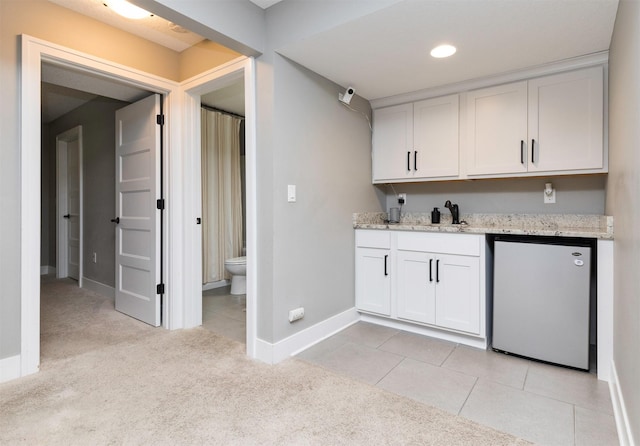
{"type": "Point", "coordinates": [387, 53]}
{"type": "Point", "coordinates": [264, 4]}
{"type": "Point", "coordinates": [153, 28]}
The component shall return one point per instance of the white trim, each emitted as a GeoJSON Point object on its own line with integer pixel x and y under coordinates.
{"type": "Point", "coordinates": [302, 340]}
{"type": "Point", "coordinates": [98, 287]}
{"type": "Point", "coordinates": [10, 368]}
{"type": "Point", "coordinates": [192, 89]}
{"type": "Point", "coordinates": [427, 331]}
{"type": "Point", "coordinates": [605, 309]}
{"type": "Point", "coordinates": [62, 243]}
{"type": "Point", "coordinates": [513, 76]}
{"type": "Point", "coordinates": [625, 434]}
{"type": "Point", "coordinates": [47, 269]}
{"type": "Point", "coordinates": [34, 52]}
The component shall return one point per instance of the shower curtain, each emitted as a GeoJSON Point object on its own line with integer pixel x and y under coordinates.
{"type": "Point", "coordinates": [221, 193]}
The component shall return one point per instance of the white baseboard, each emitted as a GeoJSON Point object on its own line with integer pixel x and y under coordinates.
{"type": "Point", "coordinates": [274, 353]}
{"type": "Point", "coordinates": [10, 368]}
{"type": "Point", "coordinates": [47, 269]}
{"type": "Point", "coordinates": [100, 288]}
{"type": "Point", "coordinates": [451, 336]}
{"type": "Point", "coordinates": [214, 285]}
{"type": "Point", "coordinates": [619, 409]}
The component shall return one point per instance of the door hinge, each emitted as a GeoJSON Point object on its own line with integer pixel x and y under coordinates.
{"type": "Point", "coordinates": [160, 288]}
{"type": "Point", "coordinates": [160, 204]}
{"type": "Point", "coordinates": [160, 119]}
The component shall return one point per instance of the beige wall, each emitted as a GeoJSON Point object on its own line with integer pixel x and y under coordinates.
{"type": "Point", "coordinates": [202, 57]}
{"type": "Point", "coordinates": [623, 202]}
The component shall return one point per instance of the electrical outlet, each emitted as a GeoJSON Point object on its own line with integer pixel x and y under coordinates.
{"type": "Point", "coordinates": [402, 197]}
{"type": "Point", "coordinates": [296, 314]}
{"type": "Point", "coordinates": [550, 198]}
{"type": "Point", "coordinates": [95, 257]}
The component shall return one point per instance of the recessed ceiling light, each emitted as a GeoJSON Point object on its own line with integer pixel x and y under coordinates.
{"type": "Point", "coordinates": [443, 51]}
{"type": "Point", "coordinates": [126, 9]}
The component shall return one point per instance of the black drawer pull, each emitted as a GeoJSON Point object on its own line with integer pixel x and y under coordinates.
{"type": "Point", "coordinates": [415, 160]}
{"type": "Point", "coordinates": [385, 264]}
{"type": "Point", "coordinates": [522, 151]}
{"type": "Point", "coordinates": [533, 141]}
{"type": "Point", "coordinates": [430, 268]}
{"type": "Point", "coordinates": [438, 271]}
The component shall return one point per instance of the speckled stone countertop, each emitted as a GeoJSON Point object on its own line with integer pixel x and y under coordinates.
{"type": "Point", "coordinates": [563, 225]}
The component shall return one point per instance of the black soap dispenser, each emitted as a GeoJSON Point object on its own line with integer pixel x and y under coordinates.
{"type": "Point", "coordinates": [435, 216]}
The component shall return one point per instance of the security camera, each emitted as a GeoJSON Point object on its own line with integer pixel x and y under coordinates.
{"type": "Point", "coordinates": [347, 96]}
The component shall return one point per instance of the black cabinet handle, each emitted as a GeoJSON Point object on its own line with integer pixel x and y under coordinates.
{"type": "Point", "coordinates": [66, 216]}
{"type": "Point", "coordinates": [198, 220]}
{"type": "Point", "coordinates": [438, 271]}
{"type": "Point", "coordinates": [385, 264]}
{"type": "Point", "coordinates": [116, 220]}
{"type": "Point", "coordinates": [522, 151]}
{"type": "Point", "coordinates": [430, 268]}
{"type": "Point", "coordinates": [408, 161]}
{"type": "Point", "coordinates": [415, 160]}
{"type": "Point", "coordinates": [533, 141]}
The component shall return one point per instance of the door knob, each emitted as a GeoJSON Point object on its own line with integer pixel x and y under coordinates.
{"type": "Point", "coordinates": [116, 220]}
{"type": "Point", "coordinates": [66, 216]}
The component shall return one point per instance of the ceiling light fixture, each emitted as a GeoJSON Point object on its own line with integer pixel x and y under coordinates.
{"type": "Point", "coordinates": [443, 51]}
{"type": "Point", "coordinates": [126, 9]}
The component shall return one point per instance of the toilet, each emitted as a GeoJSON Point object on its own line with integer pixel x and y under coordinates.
{"type": "Point", "coordinates": [237, 267]}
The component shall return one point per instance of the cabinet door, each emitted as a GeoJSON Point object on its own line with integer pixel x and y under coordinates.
{"type": "Point", "coordinates": [497, 130]}
{"type": "Point", "coordinates": [435, 137]}
{"type": "Point", "coordinates": [458, 293]}
{"type": "Point", "coordinates": [566, 120]}
{"type": "Point", "coordinates": [393, 142]}
{"type": "Point", "coordinates": [373, 280]}
{"type": "Point", "coordinates": [415, 286]}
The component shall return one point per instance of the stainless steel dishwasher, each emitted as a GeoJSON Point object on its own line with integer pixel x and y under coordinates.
{"type": "Point", "coordinates": [541, 296]}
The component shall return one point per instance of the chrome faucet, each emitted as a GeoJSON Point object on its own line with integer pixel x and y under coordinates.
{"type": "Point", "coordinates": [455, 216]}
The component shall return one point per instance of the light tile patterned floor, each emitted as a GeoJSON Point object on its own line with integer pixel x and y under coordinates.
{"type": "Point", "coordinates": [545, 404]}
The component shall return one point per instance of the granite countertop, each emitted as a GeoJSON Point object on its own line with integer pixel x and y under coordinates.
{"type": "Point", "coordinates": [563, 225]}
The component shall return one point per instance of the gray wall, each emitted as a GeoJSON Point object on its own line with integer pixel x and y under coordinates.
{"type": "Point", "coordinates": [579, 194]}
{"type": "Point", "coordinates": [623, 203]}
{"type": "Point", "coordinates": [97, 119]}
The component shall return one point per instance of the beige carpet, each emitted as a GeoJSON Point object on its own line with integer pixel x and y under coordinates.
{"type": "Point", "coordinates": [148, 386]}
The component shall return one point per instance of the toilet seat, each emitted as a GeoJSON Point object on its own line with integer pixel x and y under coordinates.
{"type": "Point", "coordinates": [236, 260]}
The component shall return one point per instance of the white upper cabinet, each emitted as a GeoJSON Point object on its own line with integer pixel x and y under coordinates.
{"type": "Point", "coordinates": [497, 129]}
{"type": "Point", "coordinates": [392, 142]}
{"type": "Point", "coordinates": [417, 141]}
{"type": "Point", "coordinates": [435, 137]}
{"type": "Point", "coordinates": [566, 121]}
{"type": "Point", "coordinates": [552, 124]}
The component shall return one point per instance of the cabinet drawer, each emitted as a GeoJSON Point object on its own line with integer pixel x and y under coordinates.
{"type": "Point", "coordinates": [373, 239]}
{"type": "Point", "coordinates": [457, 244]}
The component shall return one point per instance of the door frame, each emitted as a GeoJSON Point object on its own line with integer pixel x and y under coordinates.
{"type": "Point", "coordinates": [62, 242]}
{"type": "Point", "coordinates": [33, 52]}
{"type": "Point", "coordinates": [192, 89]}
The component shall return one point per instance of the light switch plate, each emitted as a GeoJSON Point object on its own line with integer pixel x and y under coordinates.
{"type": "Point", "coordinates": [291, 193]}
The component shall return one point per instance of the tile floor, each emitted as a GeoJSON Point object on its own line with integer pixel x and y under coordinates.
{"type": "Point", "coordinates": [224, 313]}
{"type": "Point", "coordinates": [545, 404]}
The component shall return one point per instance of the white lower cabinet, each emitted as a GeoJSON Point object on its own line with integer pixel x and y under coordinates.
{"type": "Point", "coordinates": [432, 279]}
{"type": "Point", "coordinates": [373, 274]}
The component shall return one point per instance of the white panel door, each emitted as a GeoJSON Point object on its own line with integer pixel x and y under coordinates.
{"type": "Point", "coordinates": [435, 137]}
{"type": "Point", "coordinates": [73, 209]}
{"type": "Point", "coordinates": [393, 151]}
{"type": "Point", "coordinates": [497, 129]}
{"type": "Point", "coordinates": [138, 154]}
{"type": "Point", "coordinates": [565, 121]}
{"type": "Point", "coordinates": [416, 286]}
{"type": "Point", "coordinates": [373, 280]}
{"type": "Point", "coordinates": [458, 293]}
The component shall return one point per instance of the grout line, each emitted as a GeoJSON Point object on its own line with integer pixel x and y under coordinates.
{"type": "Point", "coordinates": [404, 358]}
{"type": "Point", "coordinates": [574, 425]}
{"type": "Point", "coordinates": [468, 395]}
{"type": "Point", "coordinates": [449, 355]}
